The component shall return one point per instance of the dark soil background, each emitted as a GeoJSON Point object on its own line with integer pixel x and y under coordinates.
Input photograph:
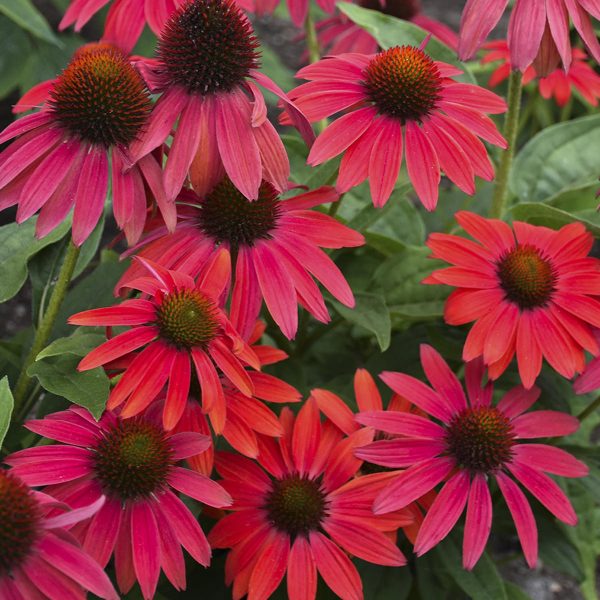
{"type": "Point", "coordinates": [541, 584]}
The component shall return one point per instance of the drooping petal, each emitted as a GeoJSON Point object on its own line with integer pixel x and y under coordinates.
{"type": "Point", "coordinates": [443, 513]}
{"type": "Point", "coordinates": [479, 521]}
{"type": "Point", "coordinates": [335, 567]}
{"type": "Point", "coordinates": [522, 516]}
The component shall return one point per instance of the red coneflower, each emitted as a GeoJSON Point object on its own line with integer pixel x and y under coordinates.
{"type": "Point", "coordinates": [180, 324]}
{"type": "Point", "coordinates": [530, 292]}
{"type": "Point", "coordinates": [206, 69]}
{"type": "Point", "coordinates": [274, 247]}
{"type": "Point", "coordinates": [300, 511]}
{"type": "Point", "coordinates": [132, 462]}
{"type": "Point", "coordinates": [39, 558]}
{"type": "Point", "coordinates": [559, 84]}
{"type": "Point", "coordinates": [399, 99]}
{"type": "Point", "coordinates": [368, 398]}
{"type": "Point", "coordinates": [531, 23]}
{"type": "Point", "coordinates": [474, 442]}
{"type": "Point", "coordinates": [93, 113]}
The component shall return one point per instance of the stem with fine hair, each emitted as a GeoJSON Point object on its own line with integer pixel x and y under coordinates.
{"type": "Point", "coordinates": [511, 128]}
{"type": "Point", "coordinates": [590, 409]}
{"type": "Point", "coordinates": [314, 53]}
{"type": "Point", "coordinates": [42, 335]}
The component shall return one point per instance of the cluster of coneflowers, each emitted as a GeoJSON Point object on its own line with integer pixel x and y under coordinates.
{"type": "Point", "coordinates": [200, 188]}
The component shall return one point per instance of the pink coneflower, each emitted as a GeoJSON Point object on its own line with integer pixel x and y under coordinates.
{"type": "Point", "coordinates": [532, 25]}
{"type": "Point", "coordinates": [132, 462]}
{"type": "Point", "coordinates": [39, 558]}
{"type": "Point", "coordinates": [180, 324]}
{"type": "Point", "coordinates": [94, 111]}
{"type": "Point", "coordinates": [338, 35]}
{"type": "Point", "coordinates": [399, 93]}
{"type": "Point", "coordinates": [299, 511]}
{"type": "Point", "coordinates": [473, 442]}
{"type": "Point", "coordinates": [206, 69]}
{"type": "Point", "coordinates": [530, 293]}
{"type": "Point", "coordinates": [559, 84]}
{"type": "Point", "coordinates": [274, 246]}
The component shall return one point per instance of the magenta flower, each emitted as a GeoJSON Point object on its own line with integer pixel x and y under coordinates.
{"type": "Point", "coordinates": [206, 69]}
{"type": "Point", "coordinates": [180, 325]}
{"type": "Point", "coordinates": [274, 246]}
{"type": "Point", "coordinates": [93, 113]}
{"type": "Point", "coordinates": [399, 101]}
{"type": "Point", "coordinates": [470, 443]}
{"type": "Point", "coordinates": [533, 23]}
{"type": "Point", "coordinates": [39, 558]}
{"type": "Point", "coordinates": [134, 463]}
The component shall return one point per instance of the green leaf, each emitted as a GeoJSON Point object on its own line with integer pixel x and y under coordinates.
{"type": "Point", "coordinates": [6, 407]}
{"type": "Point", "coordinates": [26, 16]}
{"type": "Point", "coordinates": [15, 45]}
{"type": "Point", "coordinates": [93, 291]}
{"type": "Point", "coordinates": [560, 158]}
{"type": "Point", "coordinates": [47, 60]}
{"type": "Point", "coordinates": [400, 278]}
{"type": "Point", "coordinates": [89, 248]}
{"type": "Point", "coordinates": [78, 344]}
{"type": "Point", "coordinates": [390, 31]}
{"type": "Point", "coordinates": [371, 313]}
{"type": "Point", "coordinates": [369, 217]}
{"type": "Point", "coordinates": [482, 583]}
{"type": "Point", "coordinates": [56, 369]}
{"type": "Point", "coordinates": [542, 214]}
{"type": "Point", "coordinates": [271, 65]}
{"type": "Point", "coordinates": [384, 583]}
{"type": "Point", "coordinates": [17, 245]}
{"type": "Point", "coordinates": [557, 550]}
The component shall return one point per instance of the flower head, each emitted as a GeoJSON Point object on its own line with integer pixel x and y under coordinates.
{"type": "Point", "coordinates": [134, 463]}
{"type": "Point", "coordinates": [206, 69]}
{"type": "Point", "coordinates": [474, 442]}
{"type": "Point", "coordinates": [559, 84]}
{"type": "Point", "coordinates": [262, 239]}
{"type": "Point", "coordinates": [179, 325]}
{"type": "Point", "coordinates": [532, 25]}
{"type": "Point", "coordinates": [338, 35]}
{"type": "Point", "coordinates": [530, 292]}
{"type": "Point", "coordinates": [38, 556]}
{"type": "Point", "coordinates": [91, 115]}
{"type": "Point", "coordinates": [302, 512]}
{"type": "Point", "coordinates": [399, 100]}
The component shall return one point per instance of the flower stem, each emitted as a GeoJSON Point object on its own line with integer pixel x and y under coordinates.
{"type": "Point", "coordinates": [511, 128]}
{"type": "Point", "coordinates": [588, 410]}
{"type": "Point", "coordinates": [47, 323]}
{"type": "Point", "coordinates": [314, 53]}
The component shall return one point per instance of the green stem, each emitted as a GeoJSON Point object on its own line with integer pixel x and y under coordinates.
{"type": "Point", "coordinates": [42, 335]}
{"type": "Point", "coordinates": [335, 206]}
{"type": "Point", "coordinates": [314, 54]}
{"type": "Point", "coordinates": [312, 41]}
{"type": "Point", "coordinates": [511, 127]}
{"type": "Point", "coordinates": [588, 410]}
